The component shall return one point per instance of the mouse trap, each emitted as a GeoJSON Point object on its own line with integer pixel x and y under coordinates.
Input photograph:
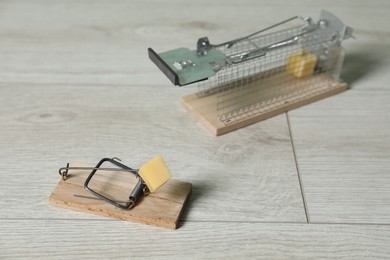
{"type": "Point", "coordinates": [248, 79]}
{"type": "Point", "coordinates": [145, 195]}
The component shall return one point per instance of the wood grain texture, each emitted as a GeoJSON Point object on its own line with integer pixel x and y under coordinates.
{"type": "Point", "coordinates": [69, 239]}
{"type": "Point", "coordinates": [162, 208]}
{"type": "Point", "coordinates": [76, 42]}
{"type": "Point", "coordinates": [45, 126]}
{"type": "Point", "coordinates": [204, 108]}
{"type": "Point", "coordinates": [343, 153]}
{"type": "Point", "coordinates": [76, 84]}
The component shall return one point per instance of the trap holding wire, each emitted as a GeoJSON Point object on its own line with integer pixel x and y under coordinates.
{"type": "Point", "coordinates": [247, 79]}
{"type": "Point", "coordinates": [151, 176]}
{"type": "Point", "coordinates": [147, 195]}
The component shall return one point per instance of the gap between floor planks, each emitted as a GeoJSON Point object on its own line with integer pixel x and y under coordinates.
{"type": "Point", "coordinates": [297, 168]}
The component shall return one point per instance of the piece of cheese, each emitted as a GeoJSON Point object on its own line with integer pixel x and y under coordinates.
{"type": "Point", "coordinates": [154, 173]}
{"type": "Point", "coordinates": [301, 63]}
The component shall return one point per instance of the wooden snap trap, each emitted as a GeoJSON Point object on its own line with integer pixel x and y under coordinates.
{"type": "Point", "coordinates": [248, 79]}
{"type": "Point", "coordinates": [155, 198]}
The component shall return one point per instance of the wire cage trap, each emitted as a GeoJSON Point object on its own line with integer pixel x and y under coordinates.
{"type": "Point", "coordinates": [249, 79]}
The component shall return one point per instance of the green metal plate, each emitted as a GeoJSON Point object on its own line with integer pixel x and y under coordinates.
{"type": "Point", "coordinates": [201, 69]}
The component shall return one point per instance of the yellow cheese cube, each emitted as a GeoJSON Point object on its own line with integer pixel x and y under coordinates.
{"type": "Point", "coordinates": [301, 63]}
{"type": "Point", "coordinates": [154, 173]}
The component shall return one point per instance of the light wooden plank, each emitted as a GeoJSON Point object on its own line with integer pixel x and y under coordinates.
{"type": "Point", "coordinates": [162, 208]}
{"type": "Point", "coordinates": [343, 153]}
{"type": "Point", "coordinates": [77, 85]}
{"type": "Point", "coordinates": [204, 108]}
{"type": "Point", "coordinates": [79, 42]}
{"type": "Point", "coordinates": [249, 175]}
{"type": "Point", "coordinates": [69, 239]}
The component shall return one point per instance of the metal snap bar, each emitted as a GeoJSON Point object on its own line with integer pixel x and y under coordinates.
{"type": "Point", "coordinates": [152, 175]}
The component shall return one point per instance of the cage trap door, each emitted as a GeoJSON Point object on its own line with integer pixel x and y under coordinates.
{"type": "Point", "coordinates": [162, 208]}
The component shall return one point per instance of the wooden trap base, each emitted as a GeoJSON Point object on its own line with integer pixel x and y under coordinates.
{"type": "Point", "coordinates": [298, 93]}
{"type": "Point", "coordinates": [162, 208]}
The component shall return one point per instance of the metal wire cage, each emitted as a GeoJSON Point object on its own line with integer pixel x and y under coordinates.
{"type": "Point", "coordinates": [248, 79]}
{"type": "Point", "coordinates": [256, 85]}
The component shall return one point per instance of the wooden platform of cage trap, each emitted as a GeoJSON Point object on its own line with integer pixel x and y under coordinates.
{"type": "Point", "coordinates": [162, 208]}
{"type": "Point", "coordinates": [298, 93]}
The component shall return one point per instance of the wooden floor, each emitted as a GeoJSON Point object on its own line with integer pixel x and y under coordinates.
{"type": "Point", "coordinates": [76, 85]}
